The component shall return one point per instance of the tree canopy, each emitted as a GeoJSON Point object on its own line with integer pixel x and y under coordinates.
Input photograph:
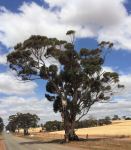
{"type": "Point", "coordinates": [1, 125]}
{"type": "Point", "coordinates": [24, 121]}
{"type": "Point", "coordinates": [74, 82]}
{"type": "Point", "coordinates": [53, 125]}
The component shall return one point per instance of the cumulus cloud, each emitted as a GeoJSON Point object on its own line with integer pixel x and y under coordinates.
{"type": "Point", "coordinates": [104, 20]}
{"type": "Point", "coordinates": [13, 104]}
{"type": "Point", "coordinates": [3, 59]}
{"type": "Point", "coordinates": [95, 12]}
{"type": "Point", "coordinates": [32, 19]}
{"type": "Point", "coordinates": [119, 106]}
{"type": "Point", "coordinates": [10, 85]}
{"type": "Point", "coordinates": [43, 108]}
{"type": "Point", "coordinates": [124, 79]}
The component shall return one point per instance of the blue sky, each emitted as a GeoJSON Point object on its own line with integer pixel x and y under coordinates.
{"type": "Point", "coordinates": [19, 19]}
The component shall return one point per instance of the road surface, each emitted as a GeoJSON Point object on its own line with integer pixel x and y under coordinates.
{"type": "Point", "coordinates": [17, 143]}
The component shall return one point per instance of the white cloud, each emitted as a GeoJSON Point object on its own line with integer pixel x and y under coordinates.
{"type": "Point", "coordinates": [120, 107]}
{"type": "Point", "coordinates": [32, 19]}
{"type": "Point", "coordinates": [95, 12]}
{"type": "Point", "coordinates": [56, 2]}
{"type": "Point", "coordinates": [3, 59]}
{"type": "Point", "coordinates": [119, 34]}
{"type": "Point", "coordinates": [43, 108]}
{"type": "Point", "coordinates": [104, 20]}
{"type": "Point", "coordinates": [108, 69]}
{"type": "Point", "coordinates": [10, 85]}
{"type": "Point", "coordinates": [120, 104]}
{"type": "Point", "coordinates": [13, 104]}
{"type": "Point", "coordinates": [124, 79]}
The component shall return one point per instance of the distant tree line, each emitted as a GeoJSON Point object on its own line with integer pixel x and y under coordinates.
{"type": "Point", "coordinates": [53, 125]}
{"type": "Point", "coordinates": [93, 122]}
{"type": "Point", "coordinates": [87, 123]}
{"type": "Point", "coordinates": [27, 120]}
{"type": "Point", "coordinates": [126, 118]}
{"type": "Point", "coordinates": [57, 125]}
{"type": "Point", "coordinates": [116, 117]}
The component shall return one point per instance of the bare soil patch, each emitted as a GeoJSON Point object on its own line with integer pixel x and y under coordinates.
{"type": "Point", "coordinates": [2, 145]}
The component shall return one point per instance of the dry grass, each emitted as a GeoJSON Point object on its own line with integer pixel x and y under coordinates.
{"type": "Point", "coordinates": [112, 137]}
{"type": "Point", "coordinates": [107, 143]}
{"type": "Point", "coordinates": [92, 143]}
{"type": "Point", "coordinates": [117, 128]}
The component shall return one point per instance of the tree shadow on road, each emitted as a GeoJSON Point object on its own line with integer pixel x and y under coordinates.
{"type": "Point", "coordinates": [59, 141]}
{"type": "Point", "coordinates": [42, 142]}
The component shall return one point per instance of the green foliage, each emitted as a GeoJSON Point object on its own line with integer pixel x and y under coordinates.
{"type": "Point", "coordinates": [24, 121]}
{"type": "Point", "coordinates": [13, 123]}
{"type": "Point", "coordinates": [115, 117]}
{"type": "Point", "coordinates": [57, 125]}
{"type": "Point", "coordinates": [27, 120]}
{"type": "Point", "coordinates": [70, 32]}
{"type": "Point", "coordinates": [53, 125]}
{"type": "Point", "coordinates": [93, 122]}
{"type": "Point", "coordinates": [1, 125]}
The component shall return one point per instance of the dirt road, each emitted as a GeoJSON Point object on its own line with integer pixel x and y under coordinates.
{"type": "Point", "coordinates": [17, 143]}
{"type": "Point", "coordinates": [2, 145]}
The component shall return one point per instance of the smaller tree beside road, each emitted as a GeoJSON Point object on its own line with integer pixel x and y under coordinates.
{"type": "Point", "coordinates": [24, 121]}
{"type": "Point", "coordinates": [1, 125]}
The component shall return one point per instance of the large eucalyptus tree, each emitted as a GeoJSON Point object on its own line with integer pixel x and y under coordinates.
{"type": "Point", "coordinates": [75, 81]}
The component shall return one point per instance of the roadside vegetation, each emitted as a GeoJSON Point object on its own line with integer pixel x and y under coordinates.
{"type": "Point", "coordinates": [22, 121]}
{"type": "Point", "coordinates": [1, 125]}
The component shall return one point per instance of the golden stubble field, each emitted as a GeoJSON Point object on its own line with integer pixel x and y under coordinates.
{"type": "Point", "coordinates": [117, 128]}
{"type": "Point", "coordinates": [110, 137]}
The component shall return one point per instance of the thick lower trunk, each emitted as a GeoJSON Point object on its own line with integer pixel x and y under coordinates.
{"type": "Point", "coordinates": [70, 131]}
{"type": "Point", "coordinates": [26, 132]}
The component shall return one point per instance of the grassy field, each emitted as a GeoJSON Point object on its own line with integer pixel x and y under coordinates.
{"type": "Point", "coordinates": [110, 137]}
{"type": "Point", "coordinates": [117, 128]}
{"type": "Point", "coordinates": [105, 143]}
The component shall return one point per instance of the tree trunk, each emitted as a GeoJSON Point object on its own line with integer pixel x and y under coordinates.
{"type": "Point", "coordinates": [26, 132]}
{"type": "Point", "coordinates": [70, 131]}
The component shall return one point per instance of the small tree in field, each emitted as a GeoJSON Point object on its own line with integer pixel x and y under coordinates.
{"type": "Point", "coordinates": [115, 117]}
{"type": "Point", "coordinates": [27, 121]}
{"type": "Point", "coordinates": [1, 125]}
{"type": "Point", "coordinates": [53, 125]}
{"type": "Point", "coordinates": [13, 123]}
{"type": "Point", "coordinates": [75, 84]}
{"type": "Point", "coordinates": [24, 121]}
